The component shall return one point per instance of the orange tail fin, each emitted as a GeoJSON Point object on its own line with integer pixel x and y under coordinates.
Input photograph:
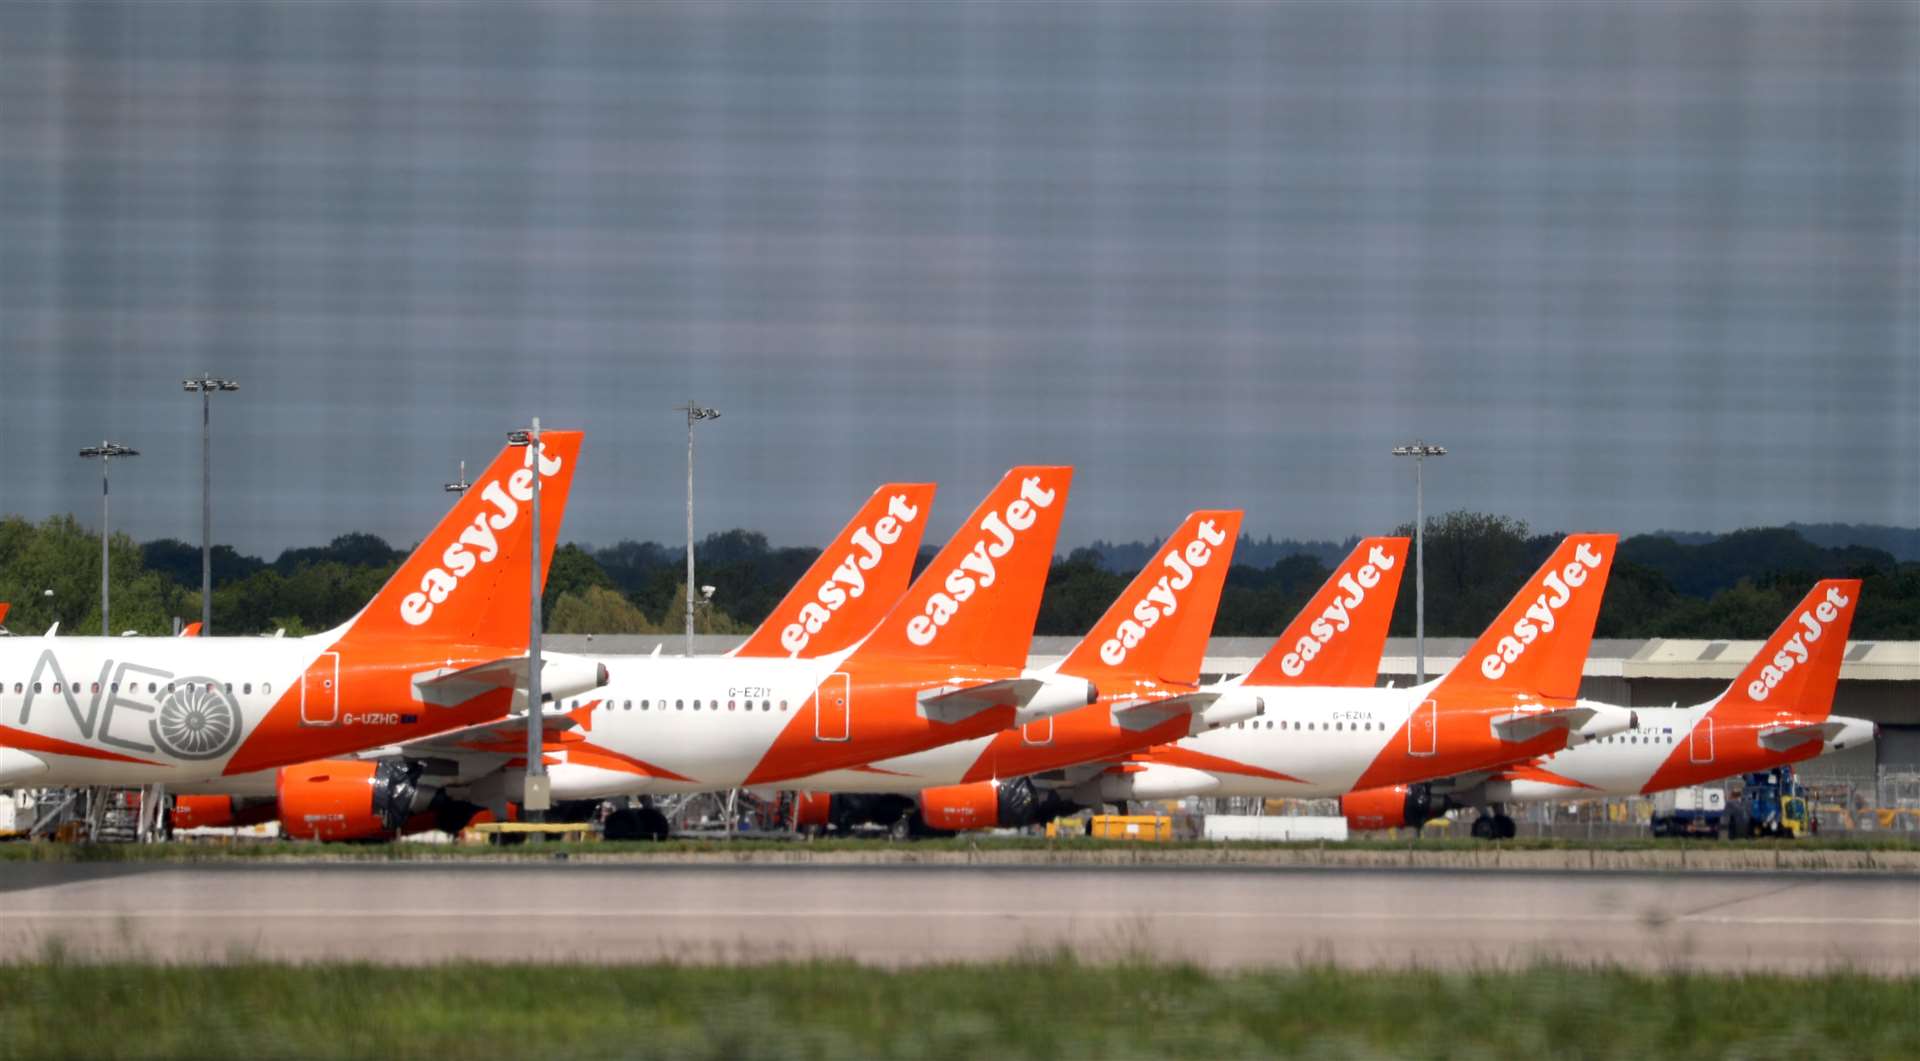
{"type": "Point", "coordinates": [978, 600]}
{"type": "Point", "coordinates": [855, 582]}
{"type": "Point", "coordinates": [1539, 643]}
{"type": "Point", "coordinates": [1798, 668]}
{"type": "Point", "coordinates": [1158, 627]}
{"type": "Point", "coordinates": [1339, 637]}
{"type": "Point", "coordinates": [467, 582]}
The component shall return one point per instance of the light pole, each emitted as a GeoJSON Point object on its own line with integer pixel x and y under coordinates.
{"type": "Point", "coordinates": [535, 793]}
{"type": "Point", "coordinates": [694, 412]}
{"type": "Point", "coordinates": [206, 385]}
{"type": "Point", "coordinates": [105, 452]}
{"type": "Point", "coordinates": [1419, 450]}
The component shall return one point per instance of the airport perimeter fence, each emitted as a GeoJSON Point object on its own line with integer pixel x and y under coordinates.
{"type": "Point", "coordinates": [1884, 801]}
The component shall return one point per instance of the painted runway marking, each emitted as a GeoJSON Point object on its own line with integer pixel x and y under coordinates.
{"type": "Point", "coordinates": [803, 914]}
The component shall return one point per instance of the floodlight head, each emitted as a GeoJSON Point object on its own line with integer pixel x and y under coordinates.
{"type": "Point", "coordinates": [520, 438]}
{"type": "Point", "coordinates": [706, 593]}
{"type": "Point", "coordinates": [109, 449]}
{"type": "Point", "coordinates": [1419, 449]}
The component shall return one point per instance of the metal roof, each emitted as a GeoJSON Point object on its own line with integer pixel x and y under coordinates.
{"type": "Point", "coordinates": [1617, 658]}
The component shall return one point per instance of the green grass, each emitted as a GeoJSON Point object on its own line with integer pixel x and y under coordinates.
{"type": "Point", "coordinates": [382, 852]}
{"type": "Point", "coordinates": [1043, 1007]}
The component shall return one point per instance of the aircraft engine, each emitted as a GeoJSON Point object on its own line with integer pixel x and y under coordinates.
{"type": "Point", "coordinates": [220, 812]}
{"type": "Point", "coordinates": [342, 799]}
{"type": "Point", "coordinates": [1392, 806]}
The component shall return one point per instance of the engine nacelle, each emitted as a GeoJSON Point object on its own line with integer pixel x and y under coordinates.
{"type": "Point", "coordinates": [1235, 706]}
{"type": "Point", "coordinates": [812, 810]}
{"type": "Point", "coordinates": [957, 808]}
{"type": "Point", "coordinates": [344, 799]}
{"type": "Point", "coordinates": [1391, 807]}
{"type": "Point", "coordinates": [220, 812]}
{"type": "Point", "coordinates": [990, 805]}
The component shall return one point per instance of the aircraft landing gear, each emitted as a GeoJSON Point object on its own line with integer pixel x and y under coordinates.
{"type": "Point", "coordinates": [1495, 826]}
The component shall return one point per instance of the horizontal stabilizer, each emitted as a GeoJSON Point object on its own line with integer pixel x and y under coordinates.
{"type": "Point", "coordinates": [1032, 695]}
{"type": "Point", "coordinates": [1784, 738]}
{"type": "Point", "coordinates": [560, 676]}
{"type": "Point", "coordinates": [1587, 721]}
{"type": "Point", "coordinates": [1208, 709]}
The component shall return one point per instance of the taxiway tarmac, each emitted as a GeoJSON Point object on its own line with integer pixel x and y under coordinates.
{"type": "Point", "coordinates": [891, 915]}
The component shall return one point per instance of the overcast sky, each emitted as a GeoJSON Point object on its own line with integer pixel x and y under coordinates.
{"type": "Point", "coordinates": [1638, 265]}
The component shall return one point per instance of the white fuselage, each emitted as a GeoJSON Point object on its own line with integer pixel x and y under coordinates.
{"type": "Point", "coordinates": [137, 710]}
{"type": "Point", "coordinates": [709, 720]}
{"type": "Point", "coordinates": [1320, 740]}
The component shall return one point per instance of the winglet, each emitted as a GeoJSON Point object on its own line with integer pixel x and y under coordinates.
{"type": "Point", "coordinates": [467, 582]}
{"type": "Point", "coordinates": [978, 599]}
{"type": "Point", "coordinates": [1538, 644]}
{"type": "Point", "coordinates": [1339, 637]}
{"type": "Point", "coordinates": [1796, 671]}
{"type": "Point", "coordinates": [1158, 626]}
{"type": "Point", "coordinates": [855, 581]}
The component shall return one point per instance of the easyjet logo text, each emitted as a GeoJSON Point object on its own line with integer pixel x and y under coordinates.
{"type": "Point", "coordinates": [1163, 597]}
{"type": "Point", "coordinates": [478, 542]}
{"type": "Point", "coordinates": [849, 580]}
{"type": "Point", "coordinates": [1336, 617]}
{"type": "Point", "coordinates": [1542, 615]}
{"type": "Point", "coordinates": [1813, 623]}
{"type": "Point", "coordinates": [976, 569]}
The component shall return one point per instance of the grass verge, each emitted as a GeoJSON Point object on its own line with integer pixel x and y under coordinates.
{"type": "Point", "coordinates": [1039, 1007]}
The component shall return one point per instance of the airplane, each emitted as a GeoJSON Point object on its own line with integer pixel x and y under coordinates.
{"type": "Point", "coordinates": [947, 662]}
{"type": "Point", "coordinates": [844, 593]}
{"type": "Point", "coordinates": [1776, 712]}
{"type": "Point", "coordinates": [1144, 655]}
{"type": "Point", "coordinates": [1514, 696]}
{"type": "Point", "coordinates": [440, 648]}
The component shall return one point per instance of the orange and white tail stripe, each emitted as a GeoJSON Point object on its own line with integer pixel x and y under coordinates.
{"type": "Point", "coordinates": [978, 599]}
{"type": "Point", "coordinates": [1538, 644]}
{"type": "Point", "coordinates": [1338, 638]}
{"type": "Point", "coordinates": [1158, 627]}
{"type": "Point", "coordinates": [467, 582]}
{"type": "Point", "coordinates": [858, 578]}
{"type": "Point", "coordinates": [1796, 672]}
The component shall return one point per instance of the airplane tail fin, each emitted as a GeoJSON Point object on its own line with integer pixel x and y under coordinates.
{"type": "Point", "coordinates": [978, 599]}
{"type": "Point", "coordinates": [1338, 638]}
{"type": "Point", "coordinates": [856, 580]}
{"type": "Point", "coordinates": [1158, 627]}
{"type": "Point", "coordinates": [467, 582]}
{"type": "Point", "coordinates": [1799, 666]}
{"type": "Point", "coordinates": [1538, 644]}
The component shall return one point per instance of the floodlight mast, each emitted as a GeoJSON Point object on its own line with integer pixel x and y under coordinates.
{"type": "Point", "coordinates": [1419, 450]}
{"type": "Point", "coordinates": [460, 485]}
{"type": "Point", "coordinates": [104, 453]}
{"type": "Point", "coordinates": [694, 413]}
{"type": "Point", "coordinates": [206, 386]}
{"type": "Point", "coordinates": [535, 796]}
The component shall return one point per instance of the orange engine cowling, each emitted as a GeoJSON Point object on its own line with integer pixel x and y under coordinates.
{"type": "Point", "coordinates": [340, 799]}
{"type": "Point", "coordinates": [960, 807]}
{"type": "Point", "coordinates": [219, 812]}
{"type": "Point", "coordinates": [812, 810]}
{"type": "Point", "coordinates": [1392, 807]}
{"type": "Point", "coordinates": [1375, 808]}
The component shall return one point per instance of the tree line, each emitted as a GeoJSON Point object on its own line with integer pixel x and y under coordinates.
{"type": "Point", "coordinates": [1736, 585]}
